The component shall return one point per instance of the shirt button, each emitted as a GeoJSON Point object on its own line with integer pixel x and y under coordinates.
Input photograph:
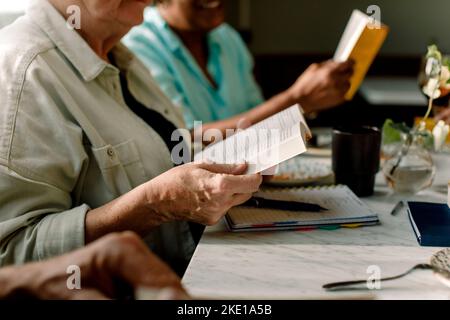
{"type": "Point", "coordinates": [110, 152]}
{"type": "Point", "coordinates": [166, 112]}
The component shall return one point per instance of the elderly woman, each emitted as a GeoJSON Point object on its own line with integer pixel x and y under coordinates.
{"type": "Point", "coordinates": [203, 65]}
{"type": "Point", "coordinates": [85, 139]}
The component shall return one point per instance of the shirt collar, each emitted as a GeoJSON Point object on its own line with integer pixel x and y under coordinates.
{"type": "Point", "coordinates": [152, 15]}
{"type": "Point", "coordinates": [68, 41]}
{"type": "Point", "coordinates": [123, 57]}
{"type": "Point", "coordinates": [172, 41]}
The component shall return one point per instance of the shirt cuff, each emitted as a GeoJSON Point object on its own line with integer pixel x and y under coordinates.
{"type": "Point", "coordinates": [59, 233]}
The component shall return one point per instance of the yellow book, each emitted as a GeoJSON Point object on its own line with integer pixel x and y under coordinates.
{"type": "Point", "coordinates": [361, 42]}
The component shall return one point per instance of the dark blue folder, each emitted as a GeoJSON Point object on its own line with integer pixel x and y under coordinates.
{"type": "Point", "coordinates": [431, 223]}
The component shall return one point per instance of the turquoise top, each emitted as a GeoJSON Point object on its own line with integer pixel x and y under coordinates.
{"type": "Point", "coordinates": [230, 64]}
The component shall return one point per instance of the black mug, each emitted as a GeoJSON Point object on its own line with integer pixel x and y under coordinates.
{"type": "Point", "coordinates": [356, 157]}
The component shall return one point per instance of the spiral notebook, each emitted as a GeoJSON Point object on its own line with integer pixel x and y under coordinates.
{"type": "Point", "coordinates": [345, 209]}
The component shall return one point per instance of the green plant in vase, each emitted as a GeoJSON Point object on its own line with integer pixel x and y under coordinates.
{"type": "Point", "coordinates": [409, 167]}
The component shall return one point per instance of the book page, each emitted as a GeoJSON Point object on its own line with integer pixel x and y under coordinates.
{"type": "Point", "coordinates": [263, 145]}
{"type": "Point", "coordinates": [283, 119]}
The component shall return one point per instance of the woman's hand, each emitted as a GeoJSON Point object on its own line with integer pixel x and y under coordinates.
{"type": "Point", "coordinates": [444, 115]}
{"type": "Point", "coordinates": [110, 268]}
{"type": "Point", "coordinates": [201, 193]}
{"type": "Point", "coordinates": [322, 85]}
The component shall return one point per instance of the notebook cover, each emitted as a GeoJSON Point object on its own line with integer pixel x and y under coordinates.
{"type": "Point", "coordinates": [273, 227]}
{"type": "Point", "coordinates": [345, 208]}
{"type": "Point", "coordinates": [431, 223]}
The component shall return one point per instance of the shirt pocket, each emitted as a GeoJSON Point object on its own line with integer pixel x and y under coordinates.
{"type": "Point", "coordinates": [121, 166]}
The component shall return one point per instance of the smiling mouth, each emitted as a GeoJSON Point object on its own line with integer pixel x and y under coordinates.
{"type": "Point", "coordinates": [210, 4]}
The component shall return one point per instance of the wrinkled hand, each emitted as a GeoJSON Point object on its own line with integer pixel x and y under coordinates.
{"type": "Point", "coordinates": [201, 193]}
{"type": "Point", "coordinates": [111, 267]}
{"type": "Point", "coordinates": [444, 115]}
{"type": "Point", "coordinates": [322, 85]}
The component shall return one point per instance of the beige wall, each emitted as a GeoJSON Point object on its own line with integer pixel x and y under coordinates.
{"type": "Point", "coordinates": [315, 26]}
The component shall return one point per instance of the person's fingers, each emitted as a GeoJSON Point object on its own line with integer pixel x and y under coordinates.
{"type": "Point", "coordinates": [145, 293]}
{"type": "Point", "coordinates": [243, 123]}
{"type": "Point", "coordinates": [238, 199]}
{"type": "Point", "coordinates": [270, 171]}
{"type": "Point", "coordinates": [445, 115]}
{"type": "Point", "coordinates": [127, 258]}
{"type": "Point", "coordinates": [344, 75]}
{"type": "Point", "coordinates": [350, 63]}
{"type": "Point", "coordinates": [336, 97]}
{"type": "Point", "coordinates": [340, 68]}
{"type": "Point", "coordinates": [341, 75]}
{"type": "Point", "coordinates": [331, 64]}
{"type": "Point", "coordinates": [172, 294]}
{"type": "Point", "coordinates": [446, 120]}
{"type": "Point", "coordinates": [242, 184]}
{"type": "Point", "coordinates": [346, 66]}
{"type": "Point", "coordinates": [342, 86]}
{"type": "Point", "coordinates": [88, 294]}
{"type": "Point", "coordinates": [232, 169]}
{"type": "Point", "coordinates": [314, 66]}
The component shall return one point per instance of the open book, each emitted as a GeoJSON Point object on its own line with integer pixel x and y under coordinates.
{"type": "Point", "coordinates": [263, 145]}
{"type": "Point", "coordinates": [361, 41]}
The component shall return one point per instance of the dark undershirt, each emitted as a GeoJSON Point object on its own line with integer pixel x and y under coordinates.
{"type": "Point", "coordinates": [163, 127]}
{"type": "Point", "coordinates": [154, 119]}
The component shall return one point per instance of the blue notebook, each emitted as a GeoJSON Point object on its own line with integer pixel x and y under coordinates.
{"type": "Point", "coordinates": [431, 223]}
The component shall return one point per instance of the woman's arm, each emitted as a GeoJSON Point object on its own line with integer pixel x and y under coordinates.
{"type": "Point", "coordinates": [201, 193]}
{"type": "Point", "coordinates": [320, 87]}
{"type": "Point", "coordinates": [37, 222]}
{"type": "Point", "coordinates": [256, 114]}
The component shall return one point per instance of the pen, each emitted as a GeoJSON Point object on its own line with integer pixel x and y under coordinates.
{"type": "Point", "coordinates": [398, 207]}
{"type": "Point", "coordinates": [257, 202]}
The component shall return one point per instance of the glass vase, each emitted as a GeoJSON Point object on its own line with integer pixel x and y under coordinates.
{"type": "Point", "coordinates": [411, 169]}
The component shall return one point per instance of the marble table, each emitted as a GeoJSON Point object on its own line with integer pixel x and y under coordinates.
{"type": "Point", "coordinates": [295, 264]}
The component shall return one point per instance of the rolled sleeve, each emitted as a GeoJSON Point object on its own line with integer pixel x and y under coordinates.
{"type": "Point", "coordinates": [37, 220]}
{"type": "Point", "coordinates": [62, 232]}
